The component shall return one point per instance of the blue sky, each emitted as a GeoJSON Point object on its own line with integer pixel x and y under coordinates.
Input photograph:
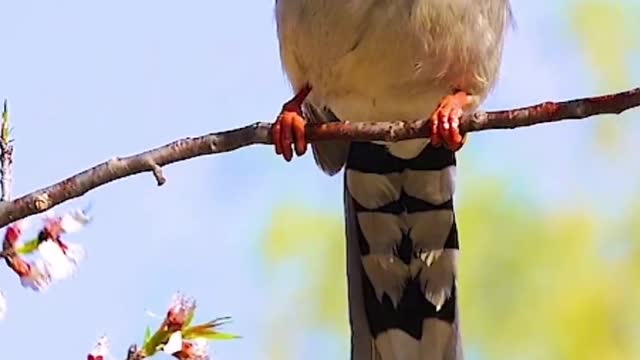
{"type": "Point", "coordinates": [87, 81]}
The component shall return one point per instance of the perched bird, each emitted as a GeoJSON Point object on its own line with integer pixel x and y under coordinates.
{"type": "Point", "coordinates": [392, 60]}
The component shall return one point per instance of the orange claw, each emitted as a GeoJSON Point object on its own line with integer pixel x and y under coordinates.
{"type": "Point", "coordinates": [445, 121]}
{"type": "Point", "coordinates": [289, 127]}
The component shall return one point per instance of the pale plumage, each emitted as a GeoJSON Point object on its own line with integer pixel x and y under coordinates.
{"type": "Point", "coordinates": [390, 60]}
{"type": "Point", "coordinates": [385, 60]}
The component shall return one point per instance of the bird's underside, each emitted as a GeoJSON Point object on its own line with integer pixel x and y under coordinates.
{"type": "Point", "coordinates": [368, 60]}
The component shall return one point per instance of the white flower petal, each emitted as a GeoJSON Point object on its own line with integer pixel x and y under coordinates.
{"type": "Point", "coordinates": [34, 284]}
{"type": "Point", "coordinates": [39, 279]}
{"type": "Point", "coordinates": [75, 252]}
{"type": "Point", "coordinates": [200, 347]}
{"type": "Point", "coordinates": [74, 221]}
{"type": "Point", "coordinates": [152, 314]}
{"type": "Point", "coordinates": [58, 265]}
{"type": "Point", "coordinates": [174, 344]}
{"type": "Point", "coordinates": [3, 306]}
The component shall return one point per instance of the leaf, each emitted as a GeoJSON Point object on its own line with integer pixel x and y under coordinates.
{"type": "Point", "coordinates": [150, 347]}
{"type": "Point", "coordinates": [206, 331]}
{"type": "Point", "coordinates": [217, 336]}
{"type": "Point", "coordinates": [147, 334]}
{"type": "Point", "coordinates": [5, 122]}
{"type": "Point", "coordinates": [28, 247]}
{"type": "Point", "coordinates": [208, 334]}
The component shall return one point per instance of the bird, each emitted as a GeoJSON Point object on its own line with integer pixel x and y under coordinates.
{"type": "Point", "coordinates": [392, 60]}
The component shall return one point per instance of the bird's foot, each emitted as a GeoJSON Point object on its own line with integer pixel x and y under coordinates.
{"type": "Point", "coordinates": [445, 121]}
{"type": "Point", "coordinates": [288, 128]}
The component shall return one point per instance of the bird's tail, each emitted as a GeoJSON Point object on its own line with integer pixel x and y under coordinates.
{"type": "Point", "coordinates": [330, 156]}
{"type": "Point", "coordinates": [402, 248]}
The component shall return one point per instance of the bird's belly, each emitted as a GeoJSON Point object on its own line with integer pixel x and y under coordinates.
{"type": "Point", "coordinates": [387, 89]}
{"type": "Point", "coordinates": [383, 76]}
{"type": "Point", "coordinates": [389, 107]}
{"type": "Point", "coordinates": [384, 73]}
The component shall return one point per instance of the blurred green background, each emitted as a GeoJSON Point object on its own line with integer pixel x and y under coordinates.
{"type": "Point", "coordinates": [548, 216]}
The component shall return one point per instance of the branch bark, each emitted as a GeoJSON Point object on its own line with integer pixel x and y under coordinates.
{"type": "Point", "coordinates": [259, 133]}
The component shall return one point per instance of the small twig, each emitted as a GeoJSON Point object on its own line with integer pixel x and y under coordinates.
{"type": "Point", "coordinates": [6, 155]}
{"type": "Point", "coordinates": [157, 172]}
{"type": "Point", "coordinates": [259, 133]}
{"type": "Point", "coordinates": [7, 252]}
{"type": "Point", "coordinates": [134, 354]}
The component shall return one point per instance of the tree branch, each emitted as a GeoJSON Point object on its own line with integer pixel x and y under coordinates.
{"type": "Point", "coordinates": [259, 133]}
{"type": "Point", "coordinates": [6, 156]}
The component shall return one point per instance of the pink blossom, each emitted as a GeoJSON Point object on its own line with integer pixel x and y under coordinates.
{"type": "Point", "coordinates": [14, 230]}
{"type": "Point", "coordinates": [179, 309]}
{"type": "Point", "coordinates": [194, 349]}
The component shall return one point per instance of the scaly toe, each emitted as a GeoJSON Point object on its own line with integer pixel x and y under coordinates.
{"type": "Point", "coordinates": [448, 115]}
{"type": "Point", "coordinates": [286, 136]}
{"type": "Point", "coordinates": [289, 127]}
{"type": "Point", "coordinates": [298, 126]}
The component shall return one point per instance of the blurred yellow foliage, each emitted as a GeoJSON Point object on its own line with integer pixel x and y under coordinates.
{"type": "Point", "coordinates": [534, 284]}
{"type": "Point", "coordinates": [608, 31]}
{"type": "Point", "coordinates": [312, 243]}
{"type": "Point", "coordinates": [539, 282]}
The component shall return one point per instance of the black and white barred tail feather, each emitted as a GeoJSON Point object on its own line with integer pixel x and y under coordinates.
{"type": "Point", "coordinates": [402, 249]}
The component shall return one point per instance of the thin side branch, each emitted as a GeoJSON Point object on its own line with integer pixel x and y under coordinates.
{"type": "Point", "coordinates": [259, 133]}
{"type": "Point", "coordinates": [134, 354]}
{"type": "Point", "coordinates": [6, 156]}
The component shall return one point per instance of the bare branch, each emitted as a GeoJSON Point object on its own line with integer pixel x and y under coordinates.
{"type": "Point", "coordinates": [259, 133]}
{"type": "Point", "coordinates": [134, 354]}
{"type": "Point", "coordinates": [6, 155]}
{"type": "Point", "coordinates": [479, 121]}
